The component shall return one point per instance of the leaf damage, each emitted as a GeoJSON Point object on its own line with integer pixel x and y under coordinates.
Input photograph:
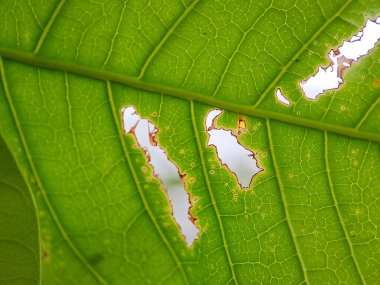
{"type": "Point", "coordinates": [239, 160]}
{"type": "Point", "coordinates": [164, 169]}
{"type": "Point", "coordinates": [341, 59]}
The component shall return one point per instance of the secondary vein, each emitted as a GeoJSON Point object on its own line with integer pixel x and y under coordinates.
{"type": "Point", "coordinates": [331, 186]}
{"type": "Point", "coordinates": [138, 186]}
{"type": "Point", "coordinates": [34, 171]}
{"type": "Point", "coordinates": [299, 52]}
{"type": "Point", "coordinates": [284, 201]}
{"type": "Point", "coordinates": [48, 26]}
{"type": "Point", "coordinates": [213, 201]}
{"type": "Point", "coordinates": [165, 38]}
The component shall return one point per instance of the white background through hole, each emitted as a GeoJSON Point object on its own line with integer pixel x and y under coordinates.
{"type": "Point", "coordinates": [163, 168]}
{"type": "Point", "coordinates": [238, 159]}
{"type": "Point", "coordinates": [281, 98]}
{"type": "Point", "coordinates": [330, 78]}
{"type": "Point", "coordinates": [325, 79]}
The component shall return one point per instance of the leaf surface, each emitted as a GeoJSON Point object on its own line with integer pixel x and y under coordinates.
{"type": "Point", "coordinates": [312, 215]}
{"type": "Point", "coordinates": [19, 234]}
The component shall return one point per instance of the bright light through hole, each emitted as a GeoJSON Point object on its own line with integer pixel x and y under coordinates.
{"type": "Point", "coordinates": [239, 160]}
{"type": "Point", "coordinates": [281, 98]}
{"type": "Point", "coordinates": [331, 77]}
{"type": "Point", "coordinates": [145, 133]}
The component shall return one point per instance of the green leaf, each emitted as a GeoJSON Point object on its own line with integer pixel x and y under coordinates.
{"type": "Point", "coordinates": [312, 215]}
{"type": "Point", "coordinates": [19, 242]}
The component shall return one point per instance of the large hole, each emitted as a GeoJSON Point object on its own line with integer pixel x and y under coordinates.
{"type": "Point", "coordinates": [239, 160]}
{"type": "Point", "coordinates": [331, 77]}
{"type": "Point", "coordinates": [164, 169]}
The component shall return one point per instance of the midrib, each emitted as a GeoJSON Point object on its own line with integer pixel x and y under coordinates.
{"type": "Point", "coordinates": [30, 59]}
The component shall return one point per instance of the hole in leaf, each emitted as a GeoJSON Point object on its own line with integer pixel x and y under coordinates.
{"type": "Point", "coordinates": [239, 160]}
{"type": "Point", "coordinates": [281, 98]}
{"type": "Point", "coordinates": [165, 170]}
{"type": "Point", "coordinates": [331, 77]}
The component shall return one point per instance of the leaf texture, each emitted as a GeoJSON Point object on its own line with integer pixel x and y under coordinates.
{"type": "Point", "coordinates": [312, 216]}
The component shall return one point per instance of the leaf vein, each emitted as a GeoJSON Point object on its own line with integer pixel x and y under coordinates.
{"type": "Point", "coordinates": [27, 58]}
{"type": "Point", "coordinates": [46, 199]}
{"type": "Point", "coordinates": [284, 202]}
{"type": "Point", "coordinates": [138, 186]}
{"type": "Point", "coordinates": [273, 82]}
{"type": "Point", "coordinates": [367, 113]}
{"type": "Point", "coordinates": [209, 189]}
{"type": "Point", "coordinates": [48, 26]}
{"type": "Point", "coordinates": [226, 67]}
{"type": "Point", "coordinates": [115, 34]}
{"type": "Point", "coordinates": [165, 38]}
{"type": "Point", "coordinates": [331, 186]}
